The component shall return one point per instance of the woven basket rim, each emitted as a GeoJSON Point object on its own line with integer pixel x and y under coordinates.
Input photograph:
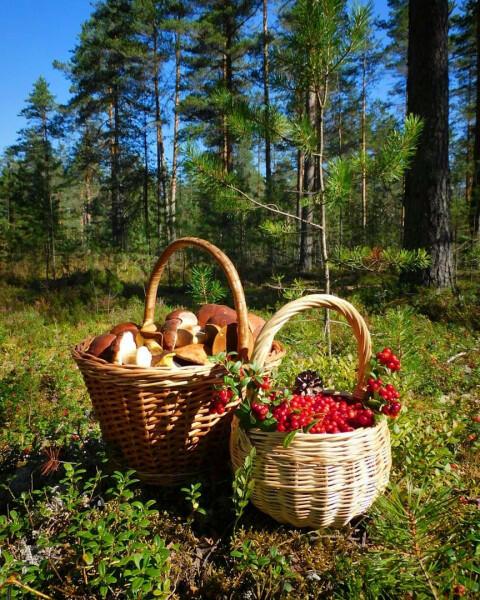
{"type": "Point", "coordinates": [381, 421]}
{"type": "Point", "coordinates": [79, 352]}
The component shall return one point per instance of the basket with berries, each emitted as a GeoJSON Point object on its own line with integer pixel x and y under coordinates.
{"type": "Point", "coordinates": [322, 456]}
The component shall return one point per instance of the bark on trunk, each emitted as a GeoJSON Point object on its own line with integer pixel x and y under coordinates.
{"type": "Point", "coordinates": [475, 211]}
{"type": "Point", "coordinates": [306, 239]}
{"type": "Point", "coordinates": [364, 147]}
{"type": "Point", "coordinates": [116, 214]}
{"type": "Point", "coordinates": [176, 127]}
{"type": "Point", "coordinates": [427, 223]}
{"type": "Point", "coordinates": [227, 153]}
{"type": "Point", "coordinates": [266, 101]}
{"type": "Point", "coordinates": [161, 188]}
{"type": "Point", "coordinates": [145, 185]}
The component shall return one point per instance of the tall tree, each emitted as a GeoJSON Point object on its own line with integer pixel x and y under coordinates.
{"type": "Point", "coordinates": [475, 212]}
{"type": "Point", "coordinates": [427, 181]}
{"type": "Point", "coordinates": [103, 70]}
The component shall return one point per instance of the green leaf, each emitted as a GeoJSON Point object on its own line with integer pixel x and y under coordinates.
{"type": "Point", "coordinates": [287, 440]}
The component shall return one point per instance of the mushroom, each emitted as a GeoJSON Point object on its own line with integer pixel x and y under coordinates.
{"type": "Point", "coordinates": [101, 346]}
{"type": "Point", "coordinates": [143, 357]}
{"type": "Point", "coordinates": [164, 360]}
{"type": "Point", "coordinates": [232, 339]}
{"type": "Point", "coordinates": [220, 341]}
{"type": "Point", "coordinates": [121, 327]}
{"type": "Point", "coordinates": [211, 332]}
{"type": "Point", "coordinates": [256, 324]}
{"type": "Point", "coordinates": [175, 321]}
{"type": "Point", "coordinates": [153, 346]}
{"type": "Point", "coordinates": [218, 314]}
{"type": "Point", "coordinates": [193, 354]}
{"type": "Point", "coordinates": [124, 349]}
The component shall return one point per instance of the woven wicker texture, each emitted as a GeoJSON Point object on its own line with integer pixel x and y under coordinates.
{"type": "Point", "coordinates": [158, 419]}
{"type": "Point", "coordinates": [320, 479]}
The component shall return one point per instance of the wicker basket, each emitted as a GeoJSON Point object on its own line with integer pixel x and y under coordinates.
{"type": "Point", "coordinates": [319, 479]}
{"type": "Point", "coordinates": [157, 420]}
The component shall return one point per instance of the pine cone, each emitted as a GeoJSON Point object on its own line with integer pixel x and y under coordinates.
{"type": "Point", "coordinates": [308, 383]}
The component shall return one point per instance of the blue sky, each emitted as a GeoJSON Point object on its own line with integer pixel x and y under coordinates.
{"type": "Point", "coordinates": [33, 33]}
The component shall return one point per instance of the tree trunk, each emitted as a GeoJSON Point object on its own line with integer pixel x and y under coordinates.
{"type": "Point", "coordinates": [145, 184]}
{"type": "Point", "coordinates": [427, 222]}
{"type": "Point", "coordinates": [176, 126]}
{"type": "Point", "coordinates": [161, 188]}
{"type": "Point", "coordinates": [364, 147]}
{"type": "Point", "coordinates": [475, 205]}
{"type": "Point", "coordinates": [306, 238]}
{"type": "Point", "coordinates": [116, 214]}
{"type": "Point", "coordinates": [51, 210]}
{"type": "Point", "coordinates": [227, 153]}
{"type": "Point", "coordinates": [299, 195]}
{"type": "Point", "coordinates": [266, 101]}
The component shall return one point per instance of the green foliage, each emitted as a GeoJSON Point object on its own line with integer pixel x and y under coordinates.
{"type": "Point", "coordinates": [415, 529]}
{"type": "Point", "coordinates": [270, 573]}
{"type": "Point", "coordinates": [379, 260]}
{"type": "Point", "coordinates": [203, 287]}
{"type": "Point", "coordinates": [242, 485]}
{"type": "Point", "coordinates": [107, 539]}
{"type": "Point", "coordinates": [93, 528]}
{"type": "Point", "coordinates": [192, 496]}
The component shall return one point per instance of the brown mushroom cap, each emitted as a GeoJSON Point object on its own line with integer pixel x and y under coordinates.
{"type": "Point", "coordinates": [128, 326]}
{"type": "Point", "coordinates": [193, 354]}
{"type": "Point", "coordinates": [256, 324]}
{"type": "Point", "coordinates": [223, 317]}
{"type": "Point", "coordinates": [188, 319]}
{"type": "Point", "coordinates": [212, 313]}
{"type": "Point", "coordinates": [101, 344]}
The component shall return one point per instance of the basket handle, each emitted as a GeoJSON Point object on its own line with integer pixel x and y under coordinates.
{"type": "Point", "coordinates": [230, 273]}
{"type": "Point", "coordinates": [354, 318]}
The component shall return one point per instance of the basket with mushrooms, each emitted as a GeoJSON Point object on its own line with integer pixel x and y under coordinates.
{"type": "Point", "coordinates": [151, 384]}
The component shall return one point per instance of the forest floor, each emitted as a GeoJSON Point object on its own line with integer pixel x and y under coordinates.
{"type": "Point", "coordinates": [70, 527]}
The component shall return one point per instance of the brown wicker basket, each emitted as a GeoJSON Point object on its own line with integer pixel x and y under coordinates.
{"type": "Point", "coordinates": [319, 479]}
{"type": "Point", "coordinates": [157, 420]}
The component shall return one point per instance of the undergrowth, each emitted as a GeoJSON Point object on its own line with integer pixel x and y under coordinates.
{"type": "Point", "coordinates": [73, 527]}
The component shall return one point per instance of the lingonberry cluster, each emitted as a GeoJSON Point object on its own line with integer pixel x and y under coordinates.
{"type": "Point", "coordinates": [220, 400]}
{"type": "Point", "coordinates": [320, 414]}
{"type": "Point", "coordinates": [388, 359]}
{"type": "Point", "coordinates": [308, 406]}
{"type": "Point", "coordinates": [385, 396]}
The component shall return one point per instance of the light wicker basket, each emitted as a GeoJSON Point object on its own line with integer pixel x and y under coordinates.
{"type": "Point", "coordinates": [157, 419]}
{"type": "Point", "coordinates": [319, 479]}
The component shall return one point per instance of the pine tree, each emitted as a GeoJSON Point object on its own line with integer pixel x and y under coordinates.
{"type": "Point", "coordinates": [103, 70]}
{"type": "Point", "coordinates": [426, 190]}
{"type": "Point", "coordinates": [38, 200]}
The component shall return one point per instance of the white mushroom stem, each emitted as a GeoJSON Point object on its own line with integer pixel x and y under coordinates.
{"type": "Point", "coordinates": [124, 349]}
{"type": "Point", "coordinates": [143, 357]}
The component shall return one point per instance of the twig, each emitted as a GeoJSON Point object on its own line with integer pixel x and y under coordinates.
{"type": "Point", "coordinates": [14, 581]}
{"type": "Point", "coordinates": [455, 356]}
{"type": "Point", "coordinates": [271, 207]}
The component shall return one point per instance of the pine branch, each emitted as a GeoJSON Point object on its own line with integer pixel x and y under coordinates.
{"type": "Point", "coordinates": [210, 175]}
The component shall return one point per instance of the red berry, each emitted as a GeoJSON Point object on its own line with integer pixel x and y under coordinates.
{"type": "Point", "coordinates": [476, 419]}
{"type": "Point", "coordinates": [224, 396]}
{"type": "Point", "coordinates": [459, 590]}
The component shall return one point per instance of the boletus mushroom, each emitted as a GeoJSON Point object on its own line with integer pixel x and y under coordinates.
{"type": "Point", "coordinates": [124, 349]}
{"type": "Point", "coordinates": [101, 346]}
{"type": "Point", "coordinates": [193, 354]}
{"type": "Point", "coordinates": [177, 320]}
{"type": "Point", "coordinates": [217, 314]}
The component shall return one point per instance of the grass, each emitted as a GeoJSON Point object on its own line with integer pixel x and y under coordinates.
{"type": "Point", "coordinates": [71, 527]}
